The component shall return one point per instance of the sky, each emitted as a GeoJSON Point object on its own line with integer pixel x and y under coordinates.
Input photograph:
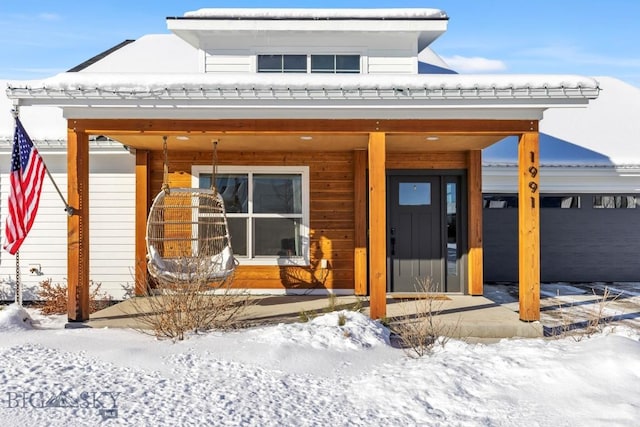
{"type": "Point", "coordinates": [41, 38]}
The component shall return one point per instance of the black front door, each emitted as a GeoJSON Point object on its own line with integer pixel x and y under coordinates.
{"type": "Point", "coordinates": [423, 235]}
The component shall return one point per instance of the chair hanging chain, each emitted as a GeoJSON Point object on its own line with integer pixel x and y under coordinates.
{"type": "Point", "coordinates": [214, 165]}
{"type": "Point", "coordinates": [165, 175]}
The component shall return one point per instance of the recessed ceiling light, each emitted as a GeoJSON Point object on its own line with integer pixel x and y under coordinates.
{"type": "Point", "coordinates": [306, 138]}
{"type": "Point", "coordinates": [433, 138]}
{"type": "Point", "coordinates": [182, 138]}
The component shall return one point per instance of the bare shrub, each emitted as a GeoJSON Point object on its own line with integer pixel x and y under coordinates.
{"type": "Point", "coordinates": [422, 328]}
{"type": "Point", "coordinates": [333, 304]}
{"type": "Point", "coordinates": [172, 309]}
{"type": "Point", "coordinates": [580, 325]}
{"type": "Point", "coordinates": [52, 297]}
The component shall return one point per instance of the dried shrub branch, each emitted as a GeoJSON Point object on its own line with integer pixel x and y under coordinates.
{"type": "Point", "coordinates": [422, 328]}
{"type": "Point", "coordinates": [53, 297]}
{"type": "Point", "coordinates": [173, 309]}
{"type": "Point", "coordinates": [580, 325]}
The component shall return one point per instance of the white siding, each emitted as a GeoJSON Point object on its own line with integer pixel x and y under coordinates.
{"type": "Point", "coordinates": [392, 62]}
{"type": "Point", "coordinates": [236, 53]}
{"type": "Point", "coordinates": [226, 62]}
{"type": "Point", "coordinates": [496, 179]}
{"type": "Point", "coordinates": [112, 213]}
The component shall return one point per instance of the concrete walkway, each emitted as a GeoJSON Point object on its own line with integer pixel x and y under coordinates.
{"type": "Point", "coordinates": [457, 315]}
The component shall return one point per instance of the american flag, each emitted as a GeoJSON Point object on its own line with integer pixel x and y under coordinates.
{"type": "Point", "coordinates": [27, 175]}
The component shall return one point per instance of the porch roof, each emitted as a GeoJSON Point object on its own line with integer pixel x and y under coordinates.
{"type": "Point", "coordinates": [305, 95]}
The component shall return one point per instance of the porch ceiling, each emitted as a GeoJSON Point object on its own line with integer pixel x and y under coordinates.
{"type": "Point", "coordinates": [306, 141]}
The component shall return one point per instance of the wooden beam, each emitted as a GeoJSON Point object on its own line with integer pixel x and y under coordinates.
{"type": "Point", "coordinates": [360, 220]}
{"type": "Point", "coordinates": [172, 126]}
{"type": "Point", "coordinates": [143, 203]}
{"type": "Point", "coordinates": [377, 226]}
{"type": "Point", "coordinates": [474, 195]}
{"type": "Point", "coordinates": [78, 226]}
{"type": "Point", "coordinates": [428, 160]}
{"type": "Point", "coordinates": [529, 226]}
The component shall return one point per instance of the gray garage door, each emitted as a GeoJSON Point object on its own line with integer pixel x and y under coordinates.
{"type": "Point", "coordinates": [583, 237]}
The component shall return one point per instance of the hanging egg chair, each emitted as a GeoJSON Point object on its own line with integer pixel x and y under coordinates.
{"type": "Point", "coordinates": [187, 235]}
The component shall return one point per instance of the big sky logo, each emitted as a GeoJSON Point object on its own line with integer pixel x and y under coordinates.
{"type": "Point", "coordinates": [106, 402]}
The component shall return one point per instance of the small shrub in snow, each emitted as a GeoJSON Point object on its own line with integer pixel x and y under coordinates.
{"type": "Point", "coordinates": [172, 310]}
{"type": "Point", "coordinates": [342, 319]}
{"type": "Point", "coordinates": [424, 329]}
{"type": "Point", "coordinates": [333, 305]}
{"type": "Point", "coordinates": [52, 297]}
{"type": "Point", "coordinates": [582, 325]}
{"type": "Point", "coordinates": [305, 316]}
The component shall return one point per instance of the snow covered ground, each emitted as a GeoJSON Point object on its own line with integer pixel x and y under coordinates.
{"type": "Point", "coordinates": [308, 374]}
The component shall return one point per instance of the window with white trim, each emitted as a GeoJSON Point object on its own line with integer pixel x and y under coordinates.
{"type": "Point", "coordinates": [325, 63]}
{"type": "Point", "coordinates": [267, 211]}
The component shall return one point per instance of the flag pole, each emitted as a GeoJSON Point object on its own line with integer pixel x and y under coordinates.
{"type": "Point", "coordinates": [68, 209]}
{"type": "Point", "coordinates": [18, 279]}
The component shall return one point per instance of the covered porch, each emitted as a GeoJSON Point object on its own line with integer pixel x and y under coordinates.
{"type": "Point", "coordinates": [370, 147]}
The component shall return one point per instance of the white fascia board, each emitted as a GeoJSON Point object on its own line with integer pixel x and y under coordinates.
{"type": "Point", "coordinates": [205, 26]}
{"type": "Point", "coordinates": [197, 31]}
{"type": "Point", "coordinates": [566, 180]}
{"type": "Point", "coordinates": [300, 112]}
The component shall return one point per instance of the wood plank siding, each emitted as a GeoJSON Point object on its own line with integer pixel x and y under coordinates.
{"type": "Point", "coordinates": [334, 234]}
{"type": "Point", "coordinates": [331, 218]}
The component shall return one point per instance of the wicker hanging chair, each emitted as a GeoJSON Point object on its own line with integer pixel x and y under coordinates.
{"type": "Point", "coordinates": [188, 237]}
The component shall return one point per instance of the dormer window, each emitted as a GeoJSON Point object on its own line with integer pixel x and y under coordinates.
{"type": "Point", "coordinates": [282, 63]}
{"type": "Point", "coordinates": [331, 64]}
{"type": "Point", "coordinates": [335, 64]}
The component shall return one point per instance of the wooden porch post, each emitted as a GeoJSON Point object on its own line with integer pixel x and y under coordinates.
{"type": "Point", "coordinates": [78, 225]}
{"type": "Point", "coordinates": [475, 273]}
{"type": "Point", "coordinates": [360, 218]}
{"type": "Point", "coordinates": [142, 211]}
{"type": "Point", "coordinates": [377, 226]}
{"type": "Point", "coordinates": [529, 226]}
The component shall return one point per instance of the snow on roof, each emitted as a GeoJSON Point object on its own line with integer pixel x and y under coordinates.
{"type": "Point", "coordinates": [150, 53]}
{"type": "Point", "coordinates": [605, 133]}
{"type": "Point", "coordinates": [274, 13]}
{"type": "Point", "coordinates": [609, 125]}
{"type": "Point", "coordinates": [143, 83]}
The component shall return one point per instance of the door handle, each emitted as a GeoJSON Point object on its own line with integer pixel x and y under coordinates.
{"type": "Point", "coordinates": [393, 246]}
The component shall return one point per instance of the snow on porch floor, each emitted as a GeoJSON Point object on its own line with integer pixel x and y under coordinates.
{"type": "Point", "coordinates": [458, 315]}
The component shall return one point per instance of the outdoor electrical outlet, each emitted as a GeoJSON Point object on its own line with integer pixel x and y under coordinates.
{"type": "Point", "coordinates": [35, 269]}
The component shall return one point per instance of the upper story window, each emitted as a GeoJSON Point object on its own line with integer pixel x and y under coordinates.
{"type": "Point", "coordinates": [335, 63]}
{"type": "Point", "coordinates": [282, 63]}
{"type": "Point", "coordinates": [331, 64]}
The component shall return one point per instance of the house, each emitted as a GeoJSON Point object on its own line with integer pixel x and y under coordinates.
{"type": "Point", "coordinates": [349, 172]}
{"type": "Point", "coordinates": [589, 190]}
